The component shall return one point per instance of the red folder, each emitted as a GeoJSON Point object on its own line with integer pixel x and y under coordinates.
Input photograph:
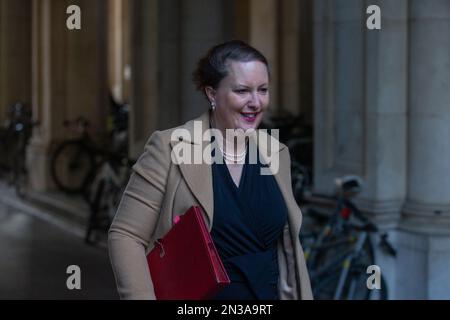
{"type": "Point", "coordinates": [184, 264]}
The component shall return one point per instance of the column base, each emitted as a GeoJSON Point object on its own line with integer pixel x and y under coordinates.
{"type": "Point", "coordinates": [38, 164]}
{"type": "Point", "coordinates": [420, 269]}
{"type": "Point", "coordinates": [384, 213]}
{"type": "Point", "coordinates": [426, 219]}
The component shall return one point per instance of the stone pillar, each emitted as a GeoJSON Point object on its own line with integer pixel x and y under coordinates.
{"type": "Point", "coordinates": [117, 26]}
{"type": "Point", "coordinates": [428, 201]}
{"type": "Point", "coordinates": [360, 103]}
{"type": "Point", "coordinates": [361, 110]}
{"type": "Point", "coordinates": [306, 59]}
{"type": "Point", "coordinates": [264, 35]}
{"type": "Point", "coordinates": [169, 55]}
{"type": "Point", "coordinates": [339, 92]}
{"type": "Point", "coordinates": [49, 61]}
{"type": "Point", "coordinates": [400, 153]}
{"type": "Point", "coordinates": [241, 13]}
{"type": "Point", "coordinates": [15, 51]}
{"type": "Point", "coordinates": [202, 26]}
{"type": "Point", "coordinates": [69, 77]}
{"type": "Point", "coordinates": [296, 57]}
{"type": "Point", "coordinates": [290, 56]}
{"type": "Point", "coordinates": [86, 66]}
{"type": "Point", "coordinates": [145, 109]}
{"type": "Point", "coordinates": [386, 86]}
{"type": "Point", "coordinates": [385, 139]}
{"type": "Point", "coordinates": [425, 224]}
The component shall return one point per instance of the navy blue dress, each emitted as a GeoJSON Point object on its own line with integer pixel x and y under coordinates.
{"type": "Point", "coordinates": [248, 222]}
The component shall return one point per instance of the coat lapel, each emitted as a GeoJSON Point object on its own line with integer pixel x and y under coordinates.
{"type": "Point", "coordinates": [198, 177]}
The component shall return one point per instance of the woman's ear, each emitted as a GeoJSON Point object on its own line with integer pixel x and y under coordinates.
{"type": "Point", "coordinates": [211, 94]}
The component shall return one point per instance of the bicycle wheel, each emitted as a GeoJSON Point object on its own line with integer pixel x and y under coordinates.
{"type": "Point", "coordinates": [355, 288]}
{"type": "Point", "coordinates": [72, 166]}
{"type": "Point", "coordinates": [329, 263]}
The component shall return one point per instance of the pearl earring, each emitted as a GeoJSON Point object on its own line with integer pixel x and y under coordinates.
{"type": "Point", "coordinates": [213, 106]}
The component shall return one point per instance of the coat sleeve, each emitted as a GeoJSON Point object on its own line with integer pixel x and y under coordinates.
{"type": "Point", "coordinates": [136, 219]}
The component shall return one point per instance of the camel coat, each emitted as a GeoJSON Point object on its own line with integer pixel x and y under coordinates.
{"type": "Point", "coordinates": [159, 189]}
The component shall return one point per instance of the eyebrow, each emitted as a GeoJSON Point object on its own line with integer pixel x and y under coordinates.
{"type": "Point", "coordinates": [245, 86]}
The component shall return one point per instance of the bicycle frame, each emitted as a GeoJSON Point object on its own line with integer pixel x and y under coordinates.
{"type": "Point", "coordinates": [309, 254]}
{"type": "Point", "coordinates": [347, 264]}
{"type": "Point", "coordinates": [342, 263]}
{"type": "Point", "coordinates": [343, 247]}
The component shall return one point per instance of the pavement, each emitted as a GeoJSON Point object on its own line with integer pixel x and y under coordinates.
{"type": "Point", "coordinates": [39, 239]}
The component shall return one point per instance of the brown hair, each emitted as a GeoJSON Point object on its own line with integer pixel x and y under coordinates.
{"type": "Point", "coordinates": [213, 67]}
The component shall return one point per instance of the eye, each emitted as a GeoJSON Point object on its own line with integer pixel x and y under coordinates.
{"type": "Point", "coordinates": [241, 91]}
{"type": "Point", "coordinates": [264, 90]}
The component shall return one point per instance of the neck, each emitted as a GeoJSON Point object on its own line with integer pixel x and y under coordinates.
{"type": "Point", "coordinates": [232, 144]}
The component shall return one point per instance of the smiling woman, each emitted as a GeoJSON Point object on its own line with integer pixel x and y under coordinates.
{"type": "Point", "coordinates": [243, 95]}
{"type": "Point", "coordinates": [235, 79]}
{"type": "Point", "coordinates": [253, 218]}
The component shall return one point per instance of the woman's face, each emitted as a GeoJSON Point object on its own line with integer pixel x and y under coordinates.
{"type": "Point", "coordinates": [242, 96]}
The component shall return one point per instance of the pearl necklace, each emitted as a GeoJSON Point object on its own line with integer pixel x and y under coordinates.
{"type": "Point", "coordinates": [228, 156]}
{"type": "Point", "coordinates": [233, 157]}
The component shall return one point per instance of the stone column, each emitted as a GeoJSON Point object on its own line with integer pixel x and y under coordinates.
{"type": "Point", "coordinates": [69, 77]}
{"type": "Point", "coordinates": [386, 86]}
{"type": "Point", "coordinates": [360, 103]}
{"type": "Point", "coordinates": [339, 92]}
{"type": "Point", "coordinates": [15, 51]}
{"type": "Point", "coordinates": [425, 224]}
{"type": "Point", "coordinates": [116, 47]}
{"type": "Point", "coordinates": [264, 35]}
{"type": "Point", "coordinates": [202, 26]}
{"type": "Point", "coordinates": [290, 56]}
{"type": "Point", "coordinates": [169, 55]}
{"type": "Point", "coordinates": [144, 60]}
{"type": "Point", "coordinates": [49, 63]}
{"type": "Point", "coordinates": [360, 109]}
{"type": "Point", "coordinates": [428, 201]}
{"type": "Point", "coordinates": [295, 68]}
{"type": "Point", "coordinates": [241, 25]}
{"type": "Point", "coordinates": [385, 134]}
{"type": "Point", "coordinates": [86, 66]}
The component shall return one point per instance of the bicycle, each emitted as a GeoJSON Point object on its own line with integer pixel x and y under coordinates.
{"type": "Point", "coordinates": [16, 136]}
{"type": "Point", "coordinates": [75, 162]}
{"type": "Point", "coordinates": [339, 253]}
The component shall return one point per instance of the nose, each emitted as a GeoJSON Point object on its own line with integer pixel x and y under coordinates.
{"type": "Point", "coordinates": [254, 102]}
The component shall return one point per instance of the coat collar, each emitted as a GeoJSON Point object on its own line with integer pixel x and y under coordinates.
{"type": "Point", "coordinates": [199, 176]}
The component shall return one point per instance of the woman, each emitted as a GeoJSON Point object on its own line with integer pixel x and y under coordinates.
{"type": "Point", "coordinates": [253, 218]}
